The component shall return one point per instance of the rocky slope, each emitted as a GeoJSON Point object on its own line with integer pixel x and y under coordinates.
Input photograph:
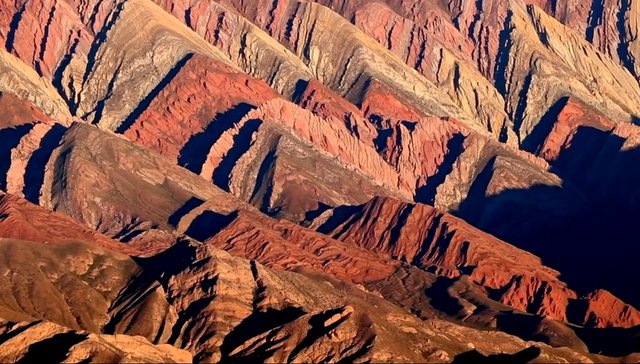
{"type": "Point", "coordinates": [409, 180]}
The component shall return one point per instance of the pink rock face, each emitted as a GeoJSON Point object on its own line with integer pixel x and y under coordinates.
{"type": "Point", "coordinates": [330, 135]}
{"type": "Point", "coordinates": [20, 219]}
{"type": "Point", "coordinates": [323, 102]}
{"type": "Point", "coordinates": [606, 310]}
{"type": "Point", "coordinates": [203, 95]}
{"type": "Point", "coordinates": [312, 140]}
{"type": "Point", "coordinates": [379, 101]}
{"type": "Point", "coordinates": [42, 32]}
{"type": "Point", "coordinates": [572, 115]}
{"type": "Point", "coordinates": [413, 42]}
{"type": "Point", "coordinates": [16, 111]}
{"type": "Point", "coordinates": [280, 244]}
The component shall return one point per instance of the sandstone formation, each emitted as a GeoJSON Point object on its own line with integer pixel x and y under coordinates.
{"type": "Point", "coordinates": [45, 341]}
{"type": "Point", "coordinates": [319, 181]}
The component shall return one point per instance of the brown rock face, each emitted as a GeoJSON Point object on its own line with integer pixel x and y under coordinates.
{"type": "Point", "coordinates": [22, 341]}
{"type": "Point", "coordinates": [22, 220]}
{"type": "Point", "coordinates": [319, 181]}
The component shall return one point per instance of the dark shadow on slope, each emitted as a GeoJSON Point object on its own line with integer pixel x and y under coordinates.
{"type": "Point", "coordinates": [188, 206]}
{"type": "Point", "coordinates": [10, 138]}
{"type": "Point", "coordinates": [475, 357]}
{"type": "Point", "coordinates": [208, 224]}
{"type": "Point", "coordinates": [15, 331]}
{"type": "Point", "coordinates": [34, 173]}
{"type": "Point", "coordinates": [627, 59]}
{"type": "Point", "coordinates": [426, 194]}
{"type": "Point", "coordinates": [595, 18]}
{"type": "Point", "coordinates": [241, 144]}
{"type": "Point", "coordinates": [532, 142]}
{"type": "Point", "coordinates": [592, 156]}
{"type": "Point", "coordinates": [441, 242]}
{"type": "Point", "coordinates": [100, 39]}
{"type": "Point", "coordinates": [318, 329]}
{"type": "Point", "coordinates": [585, 229]}
{"type": "Point", "coordinates": [194, 153]}
{"type": "Point", "coordinates": [536, 328]}
{"type": "Point", "coordinates": [341, 214]}
{"type": "Point", "coordinates": [440, 298]}
{"type": "Point", "coordinates": [502, 59]}
{"type": "Point", "coordinates": [314, 214]}
{"type": "Point", "coordinates": [613, 342]}
{"type": "Point", "coordinates": [301, 87]}
{"type": "Point", "coordinates": [13, 27]}
{"type": "Point", "coordinates": [587, 246]}
{"type": "Point", "coordinates": [470, 207]}
{"type": "Point", "coordinates": [146, 101]}
{"type": "Point", "coordinates": [263, 187]}
{"type": "Point", "coordinates": [156, 269]}
{"type": "Point", "coordinates": [257, 323]}
{"type": "Point", "coordinates": [52, 350]}
{"type": "Point", "coordinates": [58, 78]}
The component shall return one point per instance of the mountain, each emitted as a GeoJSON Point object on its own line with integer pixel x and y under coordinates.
{"type": "Point", "coordinates": [319, 181]}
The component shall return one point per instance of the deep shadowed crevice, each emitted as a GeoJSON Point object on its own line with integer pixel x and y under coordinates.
{"type": "Point", "coordinates": [623, 46]}
{"type": "Point", "coordinates": [13, 27]}
{"type": "Point", "coordinates": [595, 18]}
{"type": "Point", "coordinates": [380, 142]}
{"type": "Point", "coordinates": [130, 234]}
{"type": "Point", "coordinates": [476, 18]}
{"type": "Point", "coordinates": [532, 142]}
{"type": "Point", "coordinates": [301, 87]}
{"type": "Point", "coordinates": [241, 144]}
{"type": "Point", "coordinates": [426, 194]}
{"type": "Point", "coordinates": [45, 38]}
{"type": "Point", "coordinates": [102, 103]}
{"type": "Point", "coordinates": [433, 245]}
{"type": "Point", "coordinates": [146, 101]}
{"type": "Point", "coordinates": [502, 59]}
{"type": "Point", "coordinates": [186, 316]}
{"type": "Point", "coordinates": [475, 357]}
{"type": "Point", "coordinates": [194, 153]}
{"type": "Point", "coordinates": [52, 350]}
{"type": "Point", "coordinates": [187, 17]}
{"type": "Point", "coordinates": [188, 206]}
{"type": "Point", "coordinates": [34, 173]}
{"type": "Point", "coordinates": [208, 224]}
{"type": "Point", "coordinates": [521, 107]}
{"type": "Point", "coordinates": [100, 39]}
{"type": "Point", "coordinates": [10, 138]}
{"type": "Point", "coordinates": [58, 78]}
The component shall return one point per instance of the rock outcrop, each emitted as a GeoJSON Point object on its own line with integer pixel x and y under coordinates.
{"type": "Point", "coordinates": [330, 180]}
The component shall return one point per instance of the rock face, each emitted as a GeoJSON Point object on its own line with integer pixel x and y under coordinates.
{"type": "Point", "coordinates": [319, 181]}
{"type": "Point", "coordinates": [26, 341]}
